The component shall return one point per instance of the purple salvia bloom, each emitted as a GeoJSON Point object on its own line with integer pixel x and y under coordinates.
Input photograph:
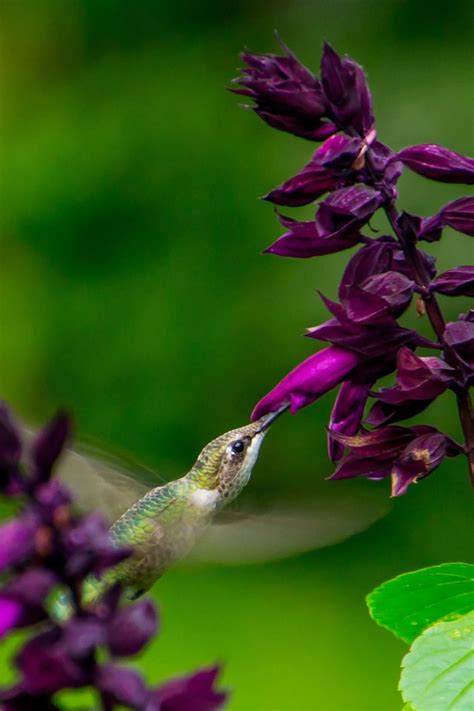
{"type": "Point", "coordinates": [307, 382]}
{"type": "Point", "coordinates": [455, 282]}
{"type": "Point", "coordinates": [438, 163]}
{"type": "Point", "coordinates": [195, 692]}
{"type": "Point", "coordinates": [385, 413]}
{"type": "Point", "coordinates": [459, 215]}
{"type": "Point", "coordinates": [459, 336]}
{"type": "Point", "coordinates": [81, 636]}
{"type": "Point", "coordinates": [346, 90]}
{"type": "Point", "coordinates": [346, 415]}
{"type": "Point", "coordinates": [378, 296]}
{"type": "Point", "coordinates": [131, 628]}
{"type": "Point", "coordinates": [88, 548]}
{"type": "Point", "coordinates": [10, 451]}
{"type": "Point", "coordinates": [329, 168]}
{"type": "Point", "coordinates": [347, 209]}
{"type": "Point", "coordinates": [287, 95]}
{"type": "Point", "coordinates": [304, 239]}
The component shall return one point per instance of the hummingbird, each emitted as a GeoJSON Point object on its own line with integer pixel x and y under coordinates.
{"type": "Point", "coordinates": [163, 525]}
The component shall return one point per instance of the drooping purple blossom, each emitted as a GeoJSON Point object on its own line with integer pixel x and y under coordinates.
{"type": "Point", "coordinates": [353, 174]}
{"type": "Point", "coordinates": [48, 548]}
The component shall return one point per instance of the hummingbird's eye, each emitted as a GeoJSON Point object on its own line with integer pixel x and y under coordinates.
{"type": "Point", "coordinates": [238, 446]}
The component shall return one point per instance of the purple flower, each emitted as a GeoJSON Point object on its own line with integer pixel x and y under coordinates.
{"type": "Point", "coordinates": [304, 240]}
{"type": "Point", "coordinates": [48, 445]}
{"type": "Point", "coordinates": [307, 382]}
{"type": "Point", "coordinates": [346, 415]}
{"type": "Point", "coordinates": [459, 215]}
{"type": "Point", "coordinates": [287, 95]}
{"type": "Point", "coordinates": [407, 454]}
{"type": "Point", "coordinates": [455, 282]}
{"type": "Point", "coordinates": [195, 692]}
{"type": "Point", "coordinates": [10, 452]}
{"type": "Point", "coordinates": [120, 686]}
{"type": "Point", "coordinates": [22, 599]}
{"type": "Point", "coordinates": [18, 540]}
{"type": "Point", "coordinates": [329, 168]}
{"type": "Point", "coordinates": [346, 90]}
{"type": "Point", "coordinates": [438, 163]}
{"type": "Point", "coordinates": [131, 628]}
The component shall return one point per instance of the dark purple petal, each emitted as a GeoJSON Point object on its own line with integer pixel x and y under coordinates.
{"type": "Point", "coordinates": [81, 637]}
{"type": "Point", "coordinates": [15, 699]}
{"type": "Point", "coordinates": [347, 209]}
{"type": "Point", "coordinates": [17, 540]}
{"type": "Point", "coordinates": [48, 445]}
{"type": "Point", "coordinates": [191, 693]}
{"type": "Point", "coordinates": [459, 215]}
{"type": "Point", "coordinates": [438, 163]}
{"type": "Point", "coordinates": [329, 168]}
{"type": "Point", "coordinates": [378, 296]}
{"type": "Point", "coordinates": [46, 667]}
{"type": "Point", "coordinates": [307, 382]}
{"type": "Point", "coordinates": [131, 628]}
{"type": "Point", "coordinates": [10, 442]}
{"type": "Point", "coordinates": [352, 466]}
{"type": "Point", "coordinates": [303, 241]}
{"type": "Point", "coordinates": [384, 444]}
{"type": "Point", "coordinates": [459, 336]}
{"type": "Point", "coordinates": [346, 415]}
{"type": "Point", "coordinates": [418, 378]}
{"type": "Point", "coordinates": [385, 413]}
{"type": "Point", "coordinates": [121, 686]}
{"type": "Point", "coordinates": [346, 89]}
{"type": "Point", "coordinates": [422, 456]}
{"type": "Point", "coordinates": [304, 128]}
{"type": "Point", "coordinates": [22, 599]}
{"type": "Point", "coordinates": [455, 282]}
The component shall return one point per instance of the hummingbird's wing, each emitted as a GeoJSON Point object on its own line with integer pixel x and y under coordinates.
{"type": "Point", "coordinates": [285, 531]}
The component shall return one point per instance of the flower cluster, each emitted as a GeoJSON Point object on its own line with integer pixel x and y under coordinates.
{"type": "Point", "coordinates": [353, 175]}
{"type": "Point", "coordinates": [48, 549]}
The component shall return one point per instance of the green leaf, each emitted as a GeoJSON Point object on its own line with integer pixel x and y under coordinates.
{"type": "Point", "coordinates": [438, 671]}
{"type": "Point", "coordinates": [412, 602]}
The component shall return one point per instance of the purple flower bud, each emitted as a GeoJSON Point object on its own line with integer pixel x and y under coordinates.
{"type": "Point", "coordinates": [346, 415]}
{"type": "Point", "coordinates": [81, 637]}
{"type": "Point", "coordinates": [11, 480]}
{"type": "Point", "coordinates": [307, 382]}
{"type": "Point", "coordinates": [459, 336]}
{"type": "Point", "coordinates": [347, 209]}
{"type": "Point", "coordinates": [385, 413]}
{"type": "Point", "coordinates": [346, 90]}
{"type": "Point", "coordinates": [378, 296]}
{"type": "Point", "coordinates": [329, 168]}
{"type": "Point", "coordinates": [287, 95]}
{"type": "Point", "coordinates": [304, 240]}
{"type": "Point", "coordinates": [438, 163]}
{"type": "Point", "coordinates": [418, 378]}
{"type": "Point", "coordinates": [195, 692]}
{"type": "Point", "coordinates": [22, 599]}
{"type": "Point", "coordinates": [455, 282]}
{"type": "Point", "coordinates": [120, 686]}
{"type": "Point", "coordinates": [422, 456]}
{"type": "Point", "coordinates": [459, 215]}
{"type": "Point", "coordinates": [46, 667]}
{"type": "Point", "coordinates": [131, 628]}
{"type": "Point", "coordinates": [17, 540]}
{"type": "Point", "coordinates": [48, 445]}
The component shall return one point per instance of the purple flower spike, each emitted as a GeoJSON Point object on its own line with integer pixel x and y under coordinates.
{"type": "Point", "coordinates": [438, 163]}
{"type": "Point", "coordinates": [287, 95]}
{"type": "Point", "coordinates": [131, 628]}
{"type": "Point", "coordinates": [329, 168]}
{"type": "Point", "coordinates": [346, 415]}
{"type": "Point", "coordinates": [346, 89]}
{"type": "Point", "coordinates": [194, 692]}
{"type": "Point", "coordinates": [308, 381]}
{"type": "Point", "coordinates": [455, 282]}
{"type": "Point", "coordinates": [459, 215]}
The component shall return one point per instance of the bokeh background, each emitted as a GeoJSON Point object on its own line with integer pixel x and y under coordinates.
{"type": "Point", "coordinates": [133, 291]}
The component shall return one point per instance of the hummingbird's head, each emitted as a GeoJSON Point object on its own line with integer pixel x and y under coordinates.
{"type": "Point", "coordinates": [226, 463]}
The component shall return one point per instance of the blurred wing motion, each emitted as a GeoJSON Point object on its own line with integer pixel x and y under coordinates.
{"type": "Point", "coordinates": [284, 532]}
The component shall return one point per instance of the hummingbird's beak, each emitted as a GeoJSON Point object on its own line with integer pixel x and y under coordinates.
{"type": "Point", "coordinates": [267, 420]}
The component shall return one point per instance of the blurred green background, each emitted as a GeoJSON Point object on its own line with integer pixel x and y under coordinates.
{"type": "Point", "coordinates": [133, 291]}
